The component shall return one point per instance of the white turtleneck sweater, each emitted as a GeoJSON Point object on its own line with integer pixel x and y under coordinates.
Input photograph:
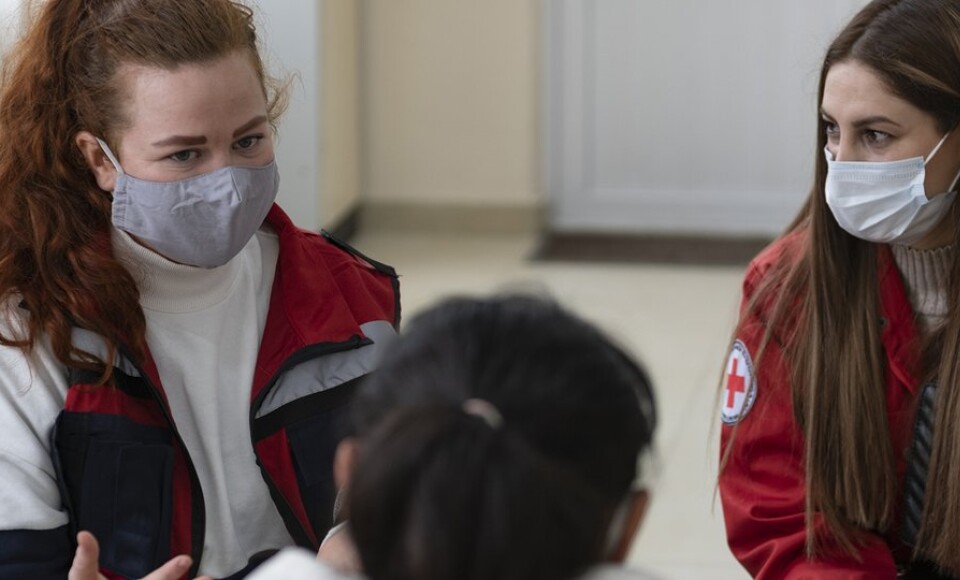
{"type": "Point", "coordinates": [925, 274]}
{"type": "Point", "coordinates": [203, 328]}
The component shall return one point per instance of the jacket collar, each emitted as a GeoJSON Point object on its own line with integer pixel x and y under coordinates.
{"type": "Point", "coordinates": [307, 306]}
{"type": "Point", "coordinates": [900, 336]}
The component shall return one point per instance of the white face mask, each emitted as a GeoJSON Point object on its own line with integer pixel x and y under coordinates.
{"type": "Point", "coordinates": [885, 202]}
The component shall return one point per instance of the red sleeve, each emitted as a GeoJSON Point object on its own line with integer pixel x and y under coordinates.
{"type": "Point", "coordinates": [762, 487]}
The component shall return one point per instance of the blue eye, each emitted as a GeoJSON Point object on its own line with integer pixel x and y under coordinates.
{"type": "Point", "coordinates": [184, 156]}
{"type": "Point", "coordinates": [248, 143]}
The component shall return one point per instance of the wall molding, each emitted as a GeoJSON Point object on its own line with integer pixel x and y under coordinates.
{"type": "Point", "coordinates": [673, 250]}
{"type": "Point", "coordinates": [431, 217]}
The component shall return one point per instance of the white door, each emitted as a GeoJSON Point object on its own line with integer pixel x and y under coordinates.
{"type": "Point", "coordinates": [684, 116]}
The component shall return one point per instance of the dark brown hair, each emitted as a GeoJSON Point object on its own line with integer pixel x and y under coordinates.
{"type": "Point", "coordinates": [440, 494]}
{"type": "Point", "coordinates": [62, 78]}
{"type": "Point", "coordinates": [830, 284]}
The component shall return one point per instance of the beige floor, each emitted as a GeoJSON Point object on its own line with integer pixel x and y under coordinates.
{"type": "Point", "coordinates": [677, 319]}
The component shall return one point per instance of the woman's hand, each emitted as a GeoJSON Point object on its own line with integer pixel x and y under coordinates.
{"type": "Point", "coordinates": [87, 559]}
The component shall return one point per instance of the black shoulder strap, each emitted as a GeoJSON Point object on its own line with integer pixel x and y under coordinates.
{"type": "Point", "coordinates": [915, 484]}
{"type": "Point", "coordinates": [918, 466]}
{"type": "Point", "coordinates": [378, 266]}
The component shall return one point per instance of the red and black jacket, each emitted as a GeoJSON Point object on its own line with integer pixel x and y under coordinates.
{"type": "Point", "coordinates": [125, 474]}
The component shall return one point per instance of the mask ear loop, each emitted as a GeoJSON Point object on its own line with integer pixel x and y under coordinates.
{"type": "Point", "coordinates": [953, 184]}
{"type": "Point", "coordinates": [113, 159]}
{"type": "Point", "coordinates": [937, 149]}
{"type": "Point", "coordinates": [956, 178]}
{"type": "Point", "coordinates": [625, 523]}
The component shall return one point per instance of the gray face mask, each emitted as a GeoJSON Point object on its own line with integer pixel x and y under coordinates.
{"type": "Point", "coordinates": [201, 221]}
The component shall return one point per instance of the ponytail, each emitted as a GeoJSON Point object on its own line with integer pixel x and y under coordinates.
{"type": "Point", "coordinates": [438, 494]}
{"type": "Point", "coordinates": [496, 440]}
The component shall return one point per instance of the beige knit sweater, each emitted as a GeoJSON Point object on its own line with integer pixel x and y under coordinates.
{"type": "Point", "coordinates": [925, 274]}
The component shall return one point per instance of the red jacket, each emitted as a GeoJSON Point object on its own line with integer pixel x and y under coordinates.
{"type": "Point", "coordinates": [762, 487]}
{"type": "Point", "coordinates": [125, 474]}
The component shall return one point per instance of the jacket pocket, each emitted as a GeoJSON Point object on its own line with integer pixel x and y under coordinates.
{"type": "Point", "coordinates": [118, 475]}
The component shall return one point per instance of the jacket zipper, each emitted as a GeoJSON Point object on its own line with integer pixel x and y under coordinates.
{"type": "Point", "coordinates": [298, 357]}
{"type": "Point", "coordinates": [198, 519]}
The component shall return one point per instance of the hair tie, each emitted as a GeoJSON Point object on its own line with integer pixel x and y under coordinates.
{"type": "Point", "coordinates": [485, 410]}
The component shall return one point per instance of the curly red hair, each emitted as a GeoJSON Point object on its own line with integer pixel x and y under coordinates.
{"type": "Point", "coordinates": [61, 78]}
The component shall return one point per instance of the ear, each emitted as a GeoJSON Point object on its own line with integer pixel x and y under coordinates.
{"type": "Point", "coordinates": [103, 170]}
{"type": "Point", "coordinates": [344, 460]}
{"type": "Point", "coordinates": [636, 508]}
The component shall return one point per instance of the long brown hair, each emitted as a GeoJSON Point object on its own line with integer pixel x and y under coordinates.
{"type": "Point", "coordinates": [59, 79]}
{"type": "Point", "coordinates": [829, 283]}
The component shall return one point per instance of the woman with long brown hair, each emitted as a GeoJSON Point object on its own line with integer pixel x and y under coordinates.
{"type": "Point", "coordinates": [176, 357]}
{"type": "Point", "coordinates": [840, 449]}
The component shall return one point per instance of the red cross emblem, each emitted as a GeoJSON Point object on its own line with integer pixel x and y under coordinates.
{"type": "Point", "coordinates": [741, 387]}
{"type": "Point", "coordinates": [735, 384]}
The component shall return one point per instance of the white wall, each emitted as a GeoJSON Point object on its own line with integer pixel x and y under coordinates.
{"type": "Point", "coordinates": [452, 102]}
{"type": "Point", "coordinates": [10, 20]}
{"type": "Point", "coordinates": [291, 36]}
{"type": "Point", "coordinates": [688, 115]}
{"type": "Point", "coordinates": [340, 108]}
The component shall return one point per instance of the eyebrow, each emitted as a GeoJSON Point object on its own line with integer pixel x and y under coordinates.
{"type": "Point", "coordinates": [187, 140]}
{"type": "Point", "coordinates": [861, 123]}
{"type": "Point", "coordinates": [181, 140]}
{"type": "Point", "coordinates": [250, 125]}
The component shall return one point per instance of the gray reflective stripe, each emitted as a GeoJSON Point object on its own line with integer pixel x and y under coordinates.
{"type": "Point", "coordinates": [94, 344]}
{"type": "Point", "coordinates": [329, 371]}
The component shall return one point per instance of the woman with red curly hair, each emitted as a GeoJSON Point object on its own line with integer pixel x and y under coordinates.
{"type": "Point", "coordinates": [176, 357]}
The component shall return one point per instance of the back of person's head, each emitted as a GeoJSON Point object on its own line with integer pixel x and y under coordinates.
{"type": "Point", "coordinates": [497, 440]}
